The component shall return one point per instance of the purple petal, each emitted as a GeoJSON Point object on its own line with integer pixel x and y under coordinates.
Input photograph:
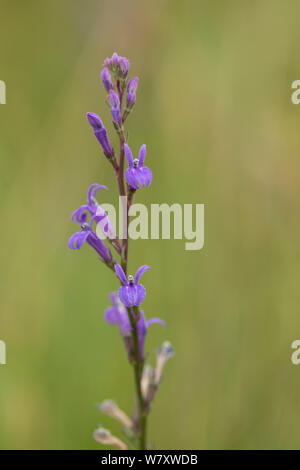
{"type": "Point", "coordinates": [142, 331]}
{"type": "Point", "coordinates": [147, 173]}
{"type": "Point", "coordinates": [117, 313]}
{"type": "Point", "coordinates": [96, 218]}
{"type": "Point", "coordinates": [111, 315]}
{"type": "Point", "coordinates": [143, 176]}
{"type": "Point", "coordinates": [124, 321]}
{"type": "Point", "coordinates": [128, 155]}
{"type": "Point", "coordinates": [72, 240]}
{"type": "Point", "coordinates": [80, 215]}
{"type": "Point", "coordinates": [132, 294]}
{"type": "Point", "coordinates": [93, 189]}
{"type": "Point", "coordinates": [121, 275]}
{"type": "Point", "coordinates": [123, 296]}
{"type": "Point", "coordinates": [126, 297]}
{"type": "Point", "coordinates": [77, 239]}
{"type": "Point", "coordinates": [131, 178]}
{"type": "Point", "coordinates": [155, 320]}
{"type": "Point", "coordinates": [140, 178]}
{"type": "Point", "coordinates": [113, 299]}
{"type": "Point", "coordinates": [80, 240]}
{"type": "Point", "coordinates": [142, 155]}
{"type": "Point", "coordinates": [139, 273]}
{"type": "Point", "coordinates": [129, 295]}
{"type": "Point", "coordinates": [141, 294]}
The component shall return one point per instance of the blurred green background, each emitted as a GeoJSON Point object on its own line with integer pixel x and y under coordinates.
{"type": "Point", "coordinates": [214, 107]}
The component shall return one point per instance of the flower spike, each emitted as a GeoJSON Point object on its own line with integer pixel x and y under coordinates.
{"type": "Point", "coordinates": [124, 310]}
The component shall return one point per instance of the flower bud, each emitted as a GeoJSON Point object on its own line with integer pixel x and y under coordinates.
{"type": "Point", "coordinates": [104, 436]}
{"type": "Point", "coordinates": [163, 355]}
{"type": "Point", "coordinates": [106, 79]}
{"type": "Point", "coordinates": [100, 133]}
{"type": "Point", "coordinates": [114, 105]}
{"type": "Point", "coordinates": [147, 380]}
{"type": "Point", "coordinates": [110, 408]}
{"type": "Point", "coordinates": [131, 91]}
{"type": "Point", "coordinates": [108, 63]}
{"type": "Point", "coordinates": [94, 121]}
{"type": "Point", "coordinates": [124, 66]}
{"type": "Point", "coordinates": [115, 59]}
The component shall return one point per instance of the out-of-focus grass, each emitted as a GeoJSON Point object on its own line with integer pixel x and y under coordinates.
{"type": "Point", "coordinates": [214, 109]}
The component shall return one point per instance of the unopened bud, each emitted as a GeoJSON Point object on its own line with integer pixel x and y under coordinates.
{"type": "Point", "coordinates": [94, 121]}
{"type": "Point", "coordinates": [147, 380]}
{"type": "Point", "coordinates": [131, 91]}
{"type": "Point", "coordinates": [115, 59]}
{"type": "Point", "coordinates": [106, 79]}
{"type": "Point", "coordinates": [114, 105]}
{"type": "Point", "coordinates": [163, 355]}
{"type": "Point", "coordinates": [104, 436]}
{"type": "Point", "coordinates": [100, 133]}
{"type": "Point", "coordinates": [124, 66]}
{"type": "Point", "coordinates": [110, 408]}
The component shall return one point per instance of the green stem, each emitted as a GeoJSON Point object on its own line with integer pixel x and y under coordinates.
{"type": "Point", "coordinates": [138, 369]}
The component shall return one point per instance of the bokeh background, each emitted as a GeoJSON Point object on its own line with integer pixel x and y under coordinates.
{"type": "Point", "coordinates": [214, 107]}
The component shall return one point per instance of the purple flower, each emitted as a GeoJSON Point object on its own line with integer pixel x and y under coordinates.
{"type": "Point", "coordinates": [131, 91]}
{"type": "Point", "coordinates": [77, 239]}
{"type": "Point", "coordinates": [96, 212]}
{"type": "Point", "coordinates": [114, 105]}
{"type": "Point", "coordinates": [137, 175]}
{"type": "Point", "coordinates": [142, 328]}
{"type": "Point", "coordinates": [100, 133]}
{"type": "Point", "coordinates": [131, 293]}
{"type": "Point", "coordinates": [106, 79]}
{"type": "Point", "coordinates": [118, 315]}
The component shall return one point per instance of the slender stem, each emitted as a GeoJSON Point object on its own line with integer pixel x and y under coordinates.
{"type": "Point", "coordinates": [138, 364]}
{"type": "Point", "coordinates": [120, 171]}
{"type": "Point", "coordinates": [130, 195]}
{"type": "Point", "coordinates": [138, 369]}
